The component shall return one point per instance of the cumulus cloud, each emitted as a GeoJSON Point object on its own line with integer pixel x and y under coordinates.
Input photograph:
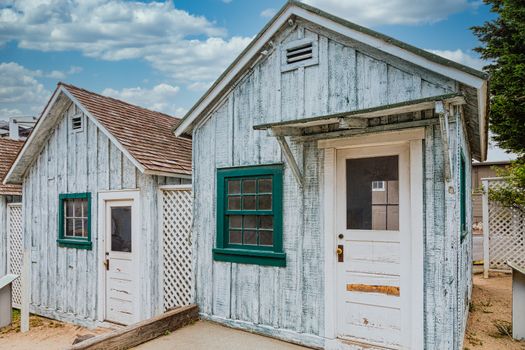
{"type": "Point", "coordinates": [378, 12]}
{"type": "Point", "coordinates": [159, 98]}
{"type": "Point", "coordinates": [21, 92]}
{"type": "Point", "coordinates": [183, 45]}
{"type": "Point", "coordinates": [461, 57]}
{"type": "Point", "coordinates": [268, 13]}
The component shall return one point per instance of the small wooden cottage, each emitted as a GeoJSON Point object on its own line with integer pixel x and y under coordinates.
{"type": "Point", "coordinates": [332, 206]}
{"type": "Point", "coordinates": [91, 172]}
{"type": "Point", "coordinates": [10, 209]}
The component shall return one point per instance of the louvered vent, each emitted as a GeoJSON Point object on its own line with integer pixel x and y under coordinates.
{"type": "Point", "coordinates": [299, 53]}
{"type": "Point", "coordinates": [77, 124]}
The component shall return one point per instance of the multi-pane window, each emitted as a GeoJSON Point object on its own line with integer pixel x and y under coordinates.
{"type": "Point", "coordinates": [249, 211]}
{"type": "Point", "coordinates": [74, 222]}
{"type": "Point", "coordinates": [249, 215]}
{"type": "Point", "coordinates": [76, 219]}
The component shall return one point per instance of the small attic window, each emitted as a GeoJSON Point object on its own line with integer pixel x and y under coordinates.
{"type": "Point", "coordinates": [77, 122]}
{"type": "Point", "coordinates": [299, 53]}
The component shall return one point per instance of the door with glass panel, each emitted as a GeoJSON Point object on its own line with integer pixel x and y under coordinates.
{"type": "Point", "coordinates": [121, 277]}
{"type": "Point", "coordinates": [372, 204]}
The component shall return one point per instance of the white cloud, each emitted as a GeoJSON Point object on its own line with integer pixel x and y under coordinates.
{"type": "Point", "coordinates": [199, 86]}
{"type": "Point", "coordinates": [461, 57]}
{"type": "Point", "coordinates": [74, 70]}
{"type": "Point", "coordinates": [268, 13]}
{"type": "Point", "coordinates": [159, 98]}
{"type": "Point", "coordinates": [20, 91]}
{"type": "Point", "coordinates": [378, 12]}
{"type": "Point", "coordinates": [183, 45]}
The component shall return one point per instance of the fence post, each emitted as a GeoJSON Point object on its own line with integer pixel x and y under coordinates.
{"type": "Point", "coordinates": [486, 229]}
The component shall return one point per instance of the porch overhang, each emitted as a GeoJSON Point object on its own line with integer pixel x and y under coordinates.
{"type": "Point", "coordinates": [359, 122]}
{"type": "Point", "coordinates": [357, 119]}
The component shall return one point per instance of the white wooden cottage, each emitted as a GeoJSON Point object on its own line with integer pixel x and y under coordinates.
{"type": "Point", "coordinates": [10, 216]}
{"type": "Point", "coordinates": [332, 207]}
{"type": "Point", "coordinates": [92, 173]}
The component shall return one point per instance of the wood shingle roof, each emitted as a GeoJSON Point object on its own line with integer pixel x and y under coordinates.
{"type": "Point", "coordinates": [8, 151]}
{"type": "Point", "coordinates": [145, 134]}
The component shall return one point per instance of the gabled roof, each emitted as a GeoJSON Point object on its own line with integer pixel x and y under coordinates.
{"type": "Point", "coordinates": [8, 151]}
{"type": "Point", "coordinates": [461, 73]}
{"type": "Point", "coordinates": [144, 136]}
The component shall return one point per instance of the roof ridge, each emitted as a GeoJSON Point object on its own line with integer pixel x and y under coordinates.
{"type": "Point", "coordinates": [115, 99]}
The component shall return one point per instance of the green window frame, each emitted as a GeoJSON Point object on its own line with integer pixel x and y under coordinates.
{"type": "Point", "coordinates": [70, 241]}
{"type": "Point", "coordinates": [249, 215]}
{"type": "Point", "coordinates": [462, 198]}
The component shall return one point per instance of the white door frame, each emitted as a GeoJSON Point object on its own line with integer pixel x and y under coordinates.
{"type": "Point", "coordinates": [107, 196]}
{"type": "Point", "coordinates": [413, 138]}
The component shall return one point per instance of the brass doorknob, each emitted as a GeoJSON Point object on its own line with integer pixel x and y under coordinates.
{"type": "Point", "coordinates": [339, 251]}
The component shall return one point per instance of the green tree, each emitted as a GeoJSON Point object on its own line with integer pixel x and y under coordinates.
{"type": "Point", "coordinates": [503, 44]}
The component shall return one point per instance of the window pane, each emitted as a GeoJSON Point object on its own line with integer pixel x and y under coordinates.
{"type": "Point", "coordinates": [234, 203]}
{"type": "Point", "coordinates": [248, 202]}
{"type": "Point", "coordinates": [78, 228]}
{"type": "Point", "coordinates": [69, 207]}
{"type": "Point", "coordinates": [250, 221]}
{"type": "Point", "coordinates": [235, 221]}
{"type": "Point", "coordinates": [266, 238]}
{"type": "Point", "coordinates": [265, 202]}
{"type": "Point", "coordinates": [234, 186]}
{"type": "Point", "coordinates": [393, 217]}
{"type": "Point", "coordinates": [70, 228]}
{"type": "Point", "coordinates": [85, 226]}
{"type": "Point", "coordinates": [368, 209]}
{"type": "Point", "coordinates": [250, 237]}
{"type": "Point", "coordinates": [266, 222]}
{"type": "Point", "coordinates": [121, 229]}
{"type": "Point", "coordinates": [78, 208]}
{"type": "Point", "coordinates": [235, 237]}
{"type": "Point", "coordinates": [84, 208]}
{"type": "Point", "coordinates": [393, 192]}
{"type": "Point", "coordinates": [265, 185]}
{"type": "Point", "coordinates": [248, 186]}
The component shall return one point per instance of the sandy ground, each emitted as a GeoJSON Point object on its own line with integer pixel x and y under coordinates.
{"type": "Point", "coordinates": [204, 335]}
{"type": "Point", "coordinates": [489, 325]}
{"type": "Point", "coordinates": [44, 334]}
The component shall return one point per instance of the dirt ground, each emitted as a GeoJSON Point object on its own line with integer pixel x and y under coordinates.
{"type": "Point", "coordinates": [44, 334]}
{"type": "Point", "coordinates": [489, 325]}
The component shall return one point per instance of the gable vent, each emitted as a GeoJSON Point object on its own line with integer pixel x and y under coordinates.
{"type": "Point", "coordinates": [299, 53]}
{"type": "Point", "coordinates": [77, 122]}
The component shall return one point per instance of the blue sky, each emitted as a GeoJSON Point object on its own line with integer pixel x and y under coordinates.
{"type": "Point", "coordinates": [163, 55]}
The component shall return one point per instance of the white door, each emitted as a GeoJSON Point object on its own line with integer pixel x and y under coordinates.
{"type": "Point", "coordinates": [121, 277]}
{"type": "Point", "coordinates": [373, 245]}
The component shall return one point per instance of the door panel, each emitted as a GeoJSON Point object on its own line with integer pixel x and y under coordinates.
{"type": "Point", "coordinates": [371, 206]}
{"type": "Point", "coordinates": [120, 264]}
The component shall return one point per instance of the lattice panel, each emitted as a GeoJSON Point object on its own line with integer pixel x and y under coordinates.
{"type": "Point", "coordinates": [177, 219]}
{"type": "Point", "coordinates": [506, 235]}
{"type": "Point", "coordinates": [15, 249]}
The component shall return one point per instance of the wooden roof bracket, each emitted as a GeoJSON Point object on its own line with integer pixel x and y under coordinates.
{"type": "Point", "coordinates": [443, 112]}
{"type": "Point", "coordinates": [288, 156]}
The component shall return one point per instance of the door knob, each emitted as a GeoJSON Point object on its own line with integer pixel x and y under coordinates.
{"type": "Point", "coordinates": [341, 236]}
{"type": "Point", "coordinates": [340, 253]}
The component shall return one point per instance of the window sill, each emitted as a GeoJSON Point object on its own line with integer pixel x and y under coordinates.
{"type": "Point", "coordinates": [245, 256]}
{"type": "Point", "coordinates": [74, 243]}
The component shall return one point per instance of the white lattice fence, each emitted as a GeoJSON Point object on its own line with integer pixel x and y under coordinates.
{"type": "Point", "coordinates": [14, 248]}
{"type": "Point", "coordinates": [504, 231]}
{"type": "Point", "coordinates": [176, 222]}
